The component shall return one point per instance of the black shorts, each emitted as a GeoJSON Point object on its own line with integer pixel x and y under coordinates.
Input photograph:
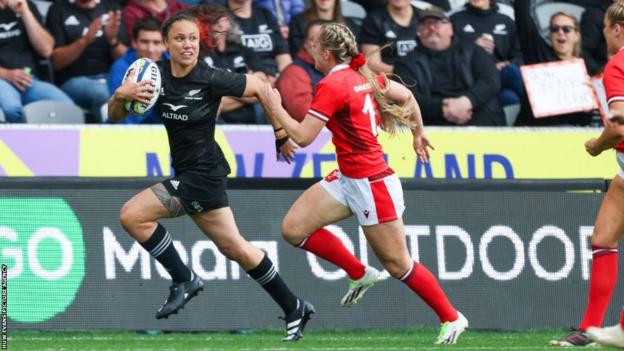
{"type": "Point", "coordinates": [198, 192]}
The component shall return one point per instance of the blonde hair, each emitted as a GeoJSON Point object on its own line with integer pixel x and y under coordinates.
{"type": "Point", "coordinates": [615, 13]}
{"type": "Point", "coordinates": [340, 41]}
{"type": "Point", "coordinates": [576, 51]}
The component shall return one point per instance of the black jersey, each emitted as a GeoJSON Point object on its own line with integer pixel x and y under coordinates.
{"type": "Point", "coordinates": [380, 29]}
{"type": "Point", "coordinates": [188, 107]}
{"type": "Point", "coordinates": [261, 33]}
{"type": "Point", "coordinates": [470, 23]}
{"type": "Point", "coordinates": [15, 48]}
{"type": "Point", "coordinates": [68, 23]}
{"type": "Point", "coordinates": [236, 58]}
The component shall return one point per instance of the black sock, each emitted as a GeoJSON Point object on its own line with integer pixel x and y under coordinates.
{"type": "Point", "coordinates": [266, 275]}
{"type": "Point", "coordinates": [160, 246]}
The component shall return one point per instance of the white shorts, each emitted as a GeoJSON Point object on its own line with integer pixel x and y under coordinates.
{"type": "Point", "coordinates": [374, 200]}
{"type": "Point", "coordinates": [620, 160]}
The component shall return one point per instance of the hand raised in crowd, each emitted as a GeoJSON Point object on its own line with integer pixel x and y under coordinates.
{"type": "Point", "coordinates": [421, 143]}
{"type": "Point", "coordinates": [457, 110]}
{"type": "Point", "coordinates": [111, 27]}
{"type": "Point", "coordinates": [18, 77]}
{"type": "Point", "coordinates": [131, 91]}
{"type": "Point", "coordinates": [486, 42]}
{"type": "Point", "coordinates": [17, 6]}
{"type": "Point", "coordinates": [94, 28]}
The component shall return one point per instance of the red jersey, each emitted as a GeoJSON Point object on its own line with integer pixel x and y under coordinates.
{"type": "Point", "coordinates": [613, 80]}
{"type": "Point", "coordinates": [344, 100]}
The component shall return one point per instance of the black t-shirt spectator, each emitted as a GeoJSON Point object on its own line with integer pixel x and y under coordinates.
{"type": "Point", "coordinates": [374, 5]}
{"type": "Point", "coordinates": [15, 48]}
{"type": "Point", "coordinates": [471, 22]}
{"type": "Point", "coordinates": [67, 23]}
{"type": "Point", "coordinates": [239, 59]}
{"type": "Point", "coordinates": [261, 33]}
{"type": "Point", "coordinates": [464, 69]}
{"type": "Point", "coordinates": [594, 43]}
{"type": "Point", "coordinates": [380, 29]}
{"type": "Point", "coordinates": [188, 107]}
{"type": "Point", "coordinates": [297, 32]}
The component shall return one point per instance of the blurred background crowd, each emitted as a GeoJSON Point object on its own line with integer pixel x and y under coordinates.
{"type": "Point", "coordinates": [461, 59]}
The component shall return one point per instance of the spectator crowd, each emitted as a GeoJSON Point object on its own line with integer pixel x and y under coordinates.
{"type": "Point", "coordinates": [460, 58]}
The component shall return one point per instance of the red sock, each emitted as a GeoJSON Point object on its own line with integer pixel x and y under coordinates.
{"type": "Point", "coordinates": [423, 283]}
{"type": "Point", "coordinates": [327, 246]}
{"type": "Point", "coordinates": [622, 319]}
{"type": "Point", "coordinates": [601, 285]}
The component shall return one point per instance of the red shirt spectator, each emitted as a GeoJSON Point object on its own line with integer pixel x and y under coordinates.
{"type": "Point", "coordinates": [297, 82]}
{"type": "Point", "coordinates": [295, 85]}
{"type": "Point", "coordinates": [137, 9]}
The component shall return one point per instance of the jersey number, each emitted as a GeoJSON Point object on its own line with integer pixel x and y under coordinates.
{"type": "Point", "coordinates": [369, 109]}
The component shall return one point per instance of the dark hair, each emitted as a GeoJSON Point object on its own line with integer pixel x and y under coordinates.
{"type": "Point", "coordinates": [148, 24]}
{"type": "Point", "coordinates": [310, 13]}
{"type": "Point", "coordinates": [207, 15]}
{"type": "Point", "coordinates": [180, 16]}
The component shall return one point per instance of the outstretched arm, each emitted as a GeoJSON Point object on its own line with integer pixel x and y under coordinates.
{"type": "Point", "coordinates": [302, 133]}
{"type": "Point", "coordinates": [254, 88]}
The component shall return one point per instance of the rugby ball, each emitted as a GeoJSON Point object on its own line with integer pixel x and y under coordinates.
{"type": "Point", "coordinates": [146, 70]}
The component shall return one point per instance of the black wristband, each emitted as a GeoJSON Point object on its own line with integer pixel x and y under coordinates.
{"type": "Point", "coordinates": [281, 141]}
{"type": "Point", "coordinates": [277, 129]}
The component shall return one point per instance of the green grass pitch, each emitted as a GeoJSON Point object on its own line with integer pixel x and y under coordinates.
{"type": "Point", "coordinates": [373, 340]}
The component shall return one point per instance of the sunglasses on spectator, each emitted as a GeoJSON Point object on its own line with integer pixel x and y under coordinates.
{"type": "Point", "coordinates": [565, 29]}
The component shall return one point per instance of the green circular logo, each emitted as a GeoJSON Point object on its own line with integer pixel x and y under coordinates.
{"type": "Point", "coordinates": [41, 243]}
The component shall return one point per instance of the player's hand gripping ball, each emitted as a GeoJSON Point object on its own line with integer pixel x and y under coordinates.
{"type": "Point", "coordinates": [146, 70]}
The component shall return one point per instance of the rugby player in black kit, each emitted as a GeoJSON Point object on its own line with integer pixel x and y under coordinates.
{"type": "Point", "coordinates": [188, 104]}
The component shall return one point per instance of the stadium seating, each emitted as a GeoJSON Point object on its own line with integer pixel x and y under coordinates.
{"type": "Point", "coordinates": [43, 7]}
{"type": "Point", "coordinates": [53, 112]}
{"type": "Point", "coordinates": [353, 10]}
{"type": "Point", "coordinates": [104, 112]}
{"type": "Point", "coordinates": [511, 113]}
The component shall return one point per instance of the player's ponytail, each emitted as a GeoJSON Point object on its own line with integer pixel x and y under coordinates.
{"type": "Point", "coordinates": [339, 39]}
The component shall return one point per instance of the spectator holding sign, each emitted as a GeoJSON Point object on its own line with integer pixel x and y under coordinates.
{"type": "Point", "coordinates": [566, 45]}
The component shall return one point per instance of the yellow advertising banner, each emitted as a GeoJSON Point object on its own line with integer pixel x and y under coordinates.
{"type": "Point", "coordinates": [139, 151]}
